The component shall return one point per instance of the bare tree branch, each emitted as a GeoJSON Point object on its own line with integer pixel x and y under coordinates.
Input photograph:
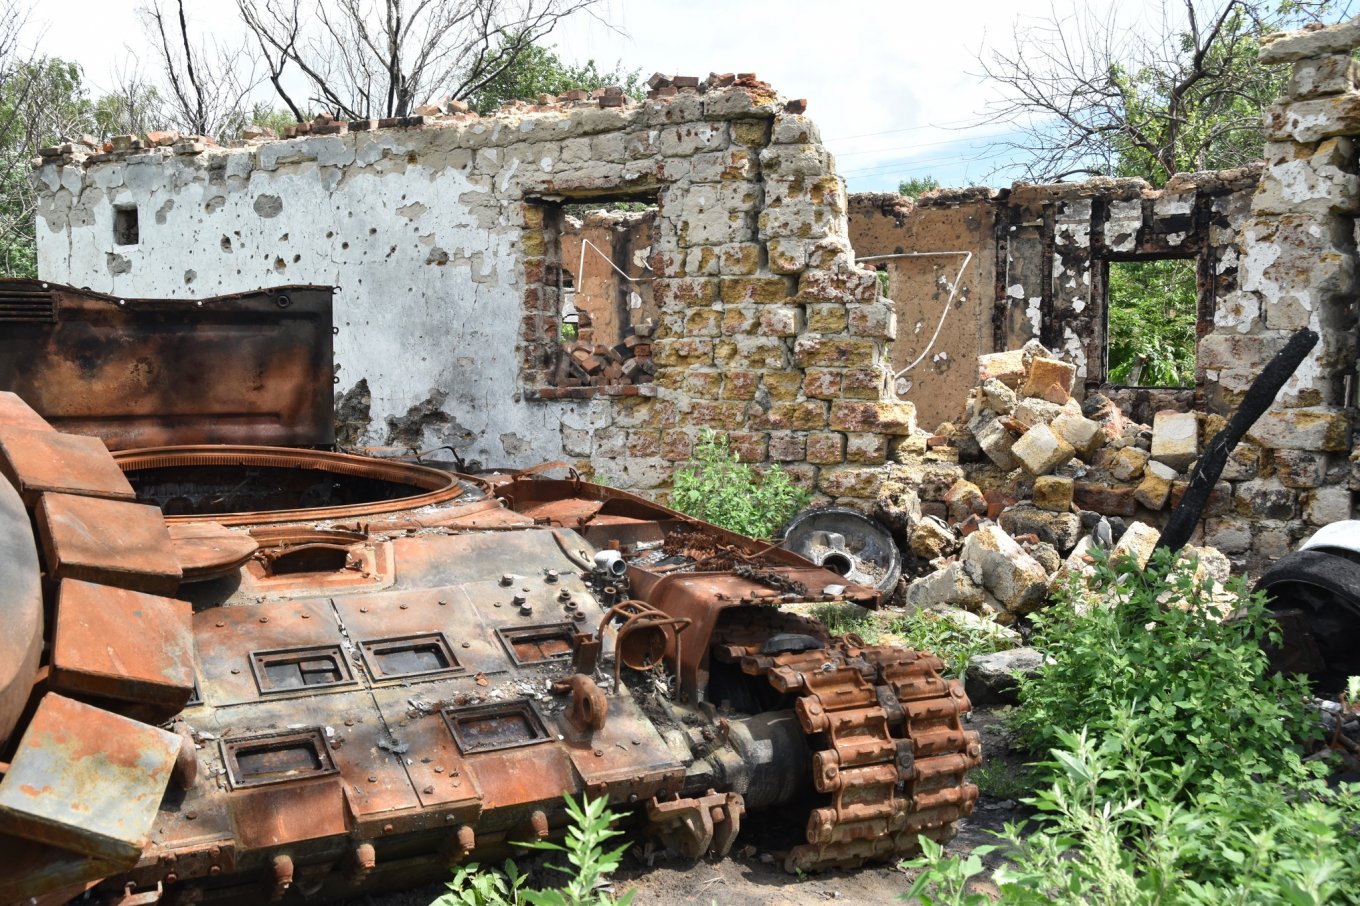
{"type": "Point", "coordinates": [1086, 94]}
{"type": "Point", "coordinates": [367, 58]}
{"type": "Point", "coordinates": [209, 84]}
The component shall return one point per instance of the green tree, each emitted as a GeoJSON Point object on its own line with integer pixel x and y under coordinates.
{"type": "Point", "coordinates": [536, 70]}
{"type": "Point", "coordinates": [917, 186]}
{"type": "Point", "coordinates": [1086, 94]}
{"type": "Point", "coordinates": [1153, 306]}
{"type": "Point", "coordinates": [42, 101]}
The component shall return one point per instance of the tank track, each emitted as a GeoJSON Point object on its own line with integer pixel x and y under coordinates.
{"type": "Point", "coordinates": [890, 750]}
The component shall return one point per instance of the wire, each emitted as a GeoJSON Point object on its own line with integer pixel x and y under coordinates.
{"type": "Point", "coordinates": [953, 291]}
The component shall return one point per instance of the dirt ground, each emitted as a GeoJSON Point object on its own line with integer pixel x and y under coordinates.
{"type": "Point", "coordinates": [753, 875]}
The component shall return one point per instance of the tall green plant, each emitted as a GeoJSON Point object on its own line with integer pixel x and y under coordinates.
{"type": "Point", "coordinates": [1203, 685]}
{"type": "Point", "coordinates": [1174, 774]}
{"type": "Point", "coordinates": [590, 827]}
{"type": "Point", "coordinates": [718, 487]}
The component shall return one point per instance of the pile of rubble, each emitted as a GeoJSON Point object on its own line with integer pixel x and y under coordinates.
{"type": "Point", "coordinates": [586, 363]}
{"type": "Point", "coordinates": [1000, 510]}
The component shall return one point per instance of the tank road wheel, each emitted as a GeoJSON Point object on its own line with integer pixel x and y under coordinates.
{"type": "Point", "coordinates": [890, 752]}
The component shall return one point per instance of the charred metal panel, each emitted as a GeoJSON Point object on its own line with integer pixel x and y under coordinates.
{"type": "Point", "coordinates": [250, 368]}
{"type": "Point", "coordinates": [87, 780]}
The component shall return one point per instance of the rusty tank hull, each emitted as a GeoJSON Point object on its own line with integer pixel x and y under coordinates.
{"type": "Point", "coordinates": [242, 673]}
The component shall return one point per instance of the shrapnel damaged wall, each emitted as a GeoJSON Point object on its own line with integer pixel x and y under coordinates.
{"type": "Point", "coordinates": [439, 235]}
{"type": "Point", "coordinates": [1275, 251]}
{"type": "Point", "coordinates": [444, 237]}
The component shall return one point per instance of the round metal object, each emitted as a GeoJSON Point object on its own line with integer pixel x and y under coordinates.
{"type": "Point", "coordinates": [1315, 596]}
{"type": "Point", "coordinates": [187, 484]}
{"type": "Point", "coordinates": [848, 543]}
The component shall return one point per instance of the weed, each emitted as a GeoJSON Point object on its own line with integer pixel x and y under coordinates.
{"type": "Point", "coordinates": [998, 780]}
{"type": "Point", "coordinates": [718, 488]}
{"type": "Point", "coordinates": [951, 641]}
{"type": "Point", "coordinates": [841, 618]}
{"type": "Point", "coordinates": [590, 827]}
{"type": "Point", "coordinates": [1202, 685]}
{"type": "Point", "coordinates": [1174, 777]}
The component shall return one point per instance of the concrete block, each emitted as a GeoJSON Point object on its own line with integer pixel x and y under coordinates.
{"type": "Point", "coordinates": [1053, 493]}
{"type": "Point", "coordinates": [1058, 529]}
{"type": "Point", "coordinates": [998, 397]}
{"type": "Point", "coordinates": [995, 441]}
{"type": "Point", "coordinates": [1006, 367]}
{"type": "Point", "coordinates": [950, 585]}
{"type": "Point", "coordinates": [1318, 428]}
{"type": "Point", "coordinates": [1041, 451]}
{"type": "Point", "coordinates": [1128, 464]}
{"type": "Point", "coordinates": [1175, 438]}
{"type": "Point", "coordinates": [1008, 572]}
{"type": "Point", "coordinates": [930, 539]}
{"type": "Point", "coordinates": [1044, 372]}
{"type": "Point", "coordinates": [1155, 488]}
{"type": "Point", "coordinates": [1137, 541]}
{"type": "Point", "coordinates": [1082, 433]}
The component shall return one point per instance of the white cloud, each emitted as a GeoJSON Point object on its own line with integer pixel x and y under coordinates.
{"type": "Point", "coordinates": [884, 81]}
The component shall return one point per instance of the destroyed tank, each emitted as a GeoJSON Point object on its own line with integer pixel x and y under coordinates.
{"type": "Point", "coordinates": [234, 672]}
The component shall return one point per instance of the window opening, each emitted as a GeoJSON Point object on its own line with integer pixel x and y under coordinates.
{"type": "Point", "coordinates": [125, 226]}
{"type": "Point", "coordinates": [1152, 307]}
{"type": "Point", "coordinates": [598, 293]}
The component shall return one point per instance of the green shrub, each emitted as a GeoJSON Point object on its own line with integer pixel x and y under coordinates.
{"type": "Point", "coordinates": [1200, 685]}
{"type": "Point", "coordinates": [1245, 843]}
{"type": "Point", "coordinates": [591, 825]}
{"type": "Point", "coordinates": [1175, 776]}
{"type": "Point", "coordinates": [951, 641]}
{"type": "Point", "coordinates": [718, 488]}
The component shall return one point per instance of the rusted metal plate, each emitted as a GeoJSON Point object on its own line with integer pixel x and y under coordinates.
{"type": "Point", "coordinates": [438, 772]}
{"type": "Point", "coordinates": [206, 550]}
{"type": "Point", "coordinates": [278, 816]}
{"type": "Point", "coordinates": [21, 609]}
{"type": "Point", "coordinates": [33, 869]}
{"type": "Point", "coordinates": [123, 645]}
{"type": "Point", "coordinates": [250, 368]}
{"type": "Point", "coordinates": [15, 413]}
{"type": "Point", "coordinates": [87, 780]}
{"type": "Point", "coordinates": [39, 461]}
{"type": "Point", "coordinates": [228, 637]}
{"type": "Point", "coordinates": [110, 542]}
{"type": "Point", "coordinates": [626, 758]}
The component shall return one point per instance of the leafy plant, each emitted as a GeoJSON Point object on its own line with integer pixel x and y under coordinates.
{"type": "Point", "coordinates": [952, 641]}
{"type": "Point", "coordinates": [997, 780]}
{"type": "Point", "coordinates": [718, 487]}
{"type": "Point", "coordinates": [1203, 685]}
{"type": "Point", "coordinates": [473, 885]}
{"type": "Point", "coordinates": [917, 185]}
{"type": "Point", "coordinates": [945, 880]}
{"type": "Point", "coordinates": [1174, 776]}
{"type": "Point", "coordinates": [1153, 306]}
{"type": "Point", "coordinates": [590, 827]}
{"type": "Point", "coordinates": [1108, 835]}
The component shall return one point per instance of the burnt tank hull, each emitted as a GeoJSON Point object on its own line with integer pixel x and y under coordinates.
{"type": "Point", "coordinates": [369, 671]}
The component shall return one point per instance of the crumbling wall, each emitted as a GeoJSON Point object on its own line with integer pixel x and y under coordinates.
{"type": "Point", "coordinates": [1274, 251]}
{"type": "Point", "coordinates": [440, 232]}
{"type": "Point", "coordinates": [921, 249]}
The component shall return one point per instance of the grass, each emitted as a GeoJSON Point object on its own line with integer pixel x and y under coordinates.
{"type": "Point", "coordinates": [953, 642]}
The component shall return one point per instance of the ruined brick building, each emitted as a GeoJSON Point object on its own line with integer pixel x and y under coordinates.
{"type": "Point", "coordinates": [469, 314]}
